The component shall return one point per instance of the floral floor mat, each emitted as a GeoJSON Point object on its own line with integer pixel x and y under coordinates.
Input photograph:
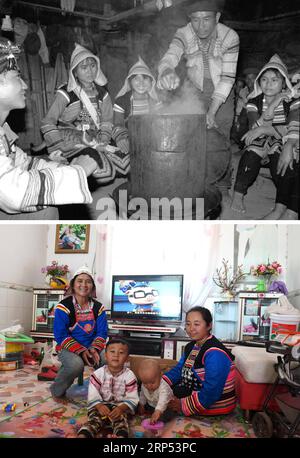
{"type": "Point", "coordinates": [37, 415]}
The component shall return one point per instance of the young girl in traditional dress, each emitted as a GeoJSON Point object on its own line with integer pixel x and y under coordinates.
{"type": "Point", "coordinates": [79, 122]}
{"type": "Point", "coordinates": [273, 114]}
{"type": "Point", "coordinates": [138, 96]}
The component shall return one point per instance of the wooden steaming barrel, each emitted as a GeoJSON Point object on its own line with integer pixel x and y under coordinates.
{"type": "Point", "coordinates": [167, 155]}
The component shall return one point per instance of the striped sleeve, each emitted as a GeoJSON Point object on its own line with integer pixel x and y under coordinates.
{"type": "Point", "coordinates": [173, 55]}
{"type": "Point", "coordinates": [121, 108]}
{"type": "Point", "coordinates": [94, 391]}
{"type": "Point", "coordinates": [230, 48]}
{"type": "Point", "coordinates": [61, 331]}
{"type": "Point", "coordinates": [253, 115]}
{"type": "Point", "coordinates": [294, 121]}
{"type": "Point", "coordinates": [173, 376]}
{"type": "Point", "coordinates": [101, 330]}
{"type": "Point", "coordinates": [51, 133]}
{"type": "Point", "coordinates": [27, 184]}
{"type": "Point", "coordinates": [106, 118]}
{"type": "Point", "coordinates": [131, 398]}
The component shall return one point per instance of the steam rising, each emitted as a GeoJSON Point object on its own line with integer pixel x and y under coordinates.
{"type": "Point", "coordinates": [185, 101]}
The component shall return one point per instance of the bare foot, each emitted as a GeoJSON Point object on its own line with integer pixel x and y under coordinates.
{"type": "Point", "coordinates": [237, 203]}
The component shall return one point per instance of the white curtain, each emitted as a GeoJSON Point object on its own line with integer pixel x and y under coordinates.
{"type": "Point", "coordinates": [103, 262]}
{"type": "Point", "coordinates": [200, 265]}
{"type": "Point", "coordinates": [187, 248]}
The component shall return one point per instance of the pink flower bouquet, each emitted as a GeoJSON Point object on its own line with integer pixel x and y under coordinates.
{"type": "Point", "coordinates": [271, 268]}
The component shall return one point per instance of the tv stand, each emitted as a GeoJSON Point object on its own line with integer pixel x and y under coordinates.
{"type": "Point", "coordinates": [142, 328]}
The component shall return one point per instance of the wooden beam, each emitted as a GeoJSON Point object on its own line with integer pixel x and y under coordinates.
{"type": "Point", "coordinates": [54, 9]}
{"type": "Point", "coordinates": [258, 27]}
{"type": "Point", "coordinates": [147, 8]}
{"type": "Point", "coordinates": [280, 16]}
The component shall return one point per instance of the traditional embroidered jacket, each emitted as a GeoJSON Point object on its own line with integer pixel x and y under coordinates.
{"type": "Point", "coordinates": [222, 57]}
{"type": "Point", "coordinates": [76, 330]}
{"type": "Point", "coordinates": [206, 376]}
{"type": "Point", "coordinates": [286, 121]}
{"type": "Point", "coordinates": [67, 111]}
{"type": "Point", "coordinates": [126, 106]}
{"type": "Point", "coordinates": [28, 184]}
{"type": "Point", "coordinates": [114, 389]}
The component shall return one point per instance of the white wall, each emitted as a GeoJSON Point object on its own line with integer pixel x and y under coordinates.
{"type": "Point", "coordinates": [293, 264]}
{"type": "Point", "coordinates": [22, 254]}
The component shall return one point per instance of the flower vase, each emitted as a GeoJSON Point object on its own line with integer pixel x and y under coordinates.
{"type": "Point", "coordinates": [263, 283]}
{"type": "Point", "coordinates": [57, 282]}
{"type": "Point", "coordinates": [229, 294]}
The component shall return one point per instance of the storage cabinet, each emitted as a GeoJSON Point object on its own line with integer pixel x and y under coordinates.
{"type": "Point", "coordinates": [226, 320]}
{"type": "Point", "coordinates": [254, 325]}
{"type": "Point", "coordinates": [243, 320]}
{"type": "Point", "coordinates": [44, 301]}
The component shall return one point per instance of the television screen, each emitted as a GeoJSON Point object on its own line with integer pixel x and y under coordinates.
{"type": "Point", "coordinates": [147, 298]}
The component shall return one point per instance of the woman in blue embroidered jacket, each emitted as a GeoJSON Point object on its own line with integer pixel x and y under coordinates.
{"type": "Point", "coordinates": [79, 121]}
{"type": "Point", "coordinates": [203, 380]}
{"type": "Point", "coordinates": [80, 330]}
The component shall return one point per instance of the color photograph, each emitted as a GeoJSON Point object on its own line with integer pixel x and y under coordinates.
{"type": "Point", "coordinates": [72, 238]}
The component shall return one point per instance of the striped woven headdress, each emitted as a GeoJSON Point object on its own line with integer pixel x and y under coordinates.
{"type": "Point", "coordinates": [8, 55]}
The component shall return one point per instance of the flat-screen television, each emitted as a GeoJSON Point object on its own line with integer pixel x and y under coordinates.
{"type": "Point", "coordinates": [147, 298]}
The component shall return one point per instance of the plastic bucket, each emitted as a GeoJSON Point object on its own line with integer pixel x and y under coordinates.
{"type": "Point", "coordinates": [283, 323]}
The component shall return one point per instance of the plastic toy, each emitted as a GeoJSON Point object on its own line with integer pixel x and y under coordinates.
{"type": "Point", "coordinates": [139, 433]}
{"type": "Point", "coordinates": [9, 407]}
{"type": "Point", "coordinates": [155, 428]}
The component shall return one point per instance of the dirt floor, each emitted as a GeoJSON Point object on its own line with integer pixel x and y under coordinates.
{"type": "Point", "coordinates": [259, 201]}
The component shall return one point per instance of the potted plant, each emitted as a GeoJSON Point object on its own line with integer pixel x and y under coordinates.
{"type": "Point", "coordinates": [265, 272]}
{"type": "Point", "coordinates": [57, 274]}
{"type": "Point", "coordinates": [227, 279]}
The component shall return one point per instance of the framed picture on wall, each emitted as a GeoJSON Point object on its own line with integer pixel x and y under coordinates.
{"type": "Point", "coordinates": [72, 238]}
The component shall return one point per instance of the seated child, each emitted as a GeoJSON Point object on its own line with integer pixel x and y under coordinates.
{"type": "Point", "coordinates": [79, 121]}
{"type": "Point", "coordinates": [30, 187]}
{"type": "Point", "coordinates": [155, 392]}
{"type": "Point", "coordinates": [137, 97]}
{"type": "Point", "coordinates": [112, 394]}
{"type": "Point", "coordinates": [274, 119]}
